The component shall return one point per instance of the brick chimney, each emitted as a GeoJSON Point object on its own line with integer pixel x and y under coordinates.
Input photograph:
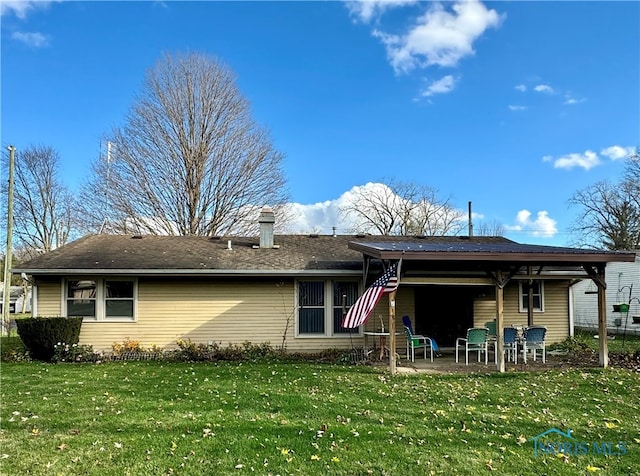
{"type": "Point", "coordinates": [266, 220]}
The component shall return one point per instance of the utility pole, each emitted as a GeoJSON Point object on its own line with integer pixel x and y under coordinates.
{"type": "Point", "coordinates": [6, 296]}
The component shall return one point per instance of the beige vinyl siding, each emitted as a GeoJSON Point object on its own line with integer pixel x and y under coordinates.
{"type": "Point", "coordinates": [555, 316]}
{"type": "Point", "coordinates": [49, 297]}
{"type": "Point", "coordinates": [202, 311]}
{"type": "Point", "coordinates": [211, 311]}
{"type": "Point", "coordinates": [405, 305]}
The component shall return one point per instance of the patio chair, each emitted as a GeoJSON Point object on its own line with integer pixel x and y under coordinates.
{"type": "Point", "coordinates": [533, 339]}
{"type": "Point", "coordinates": [417, 342]}
{"type": "Point", "coordinates": [406, 320]}
{"type": "Point", "coordinates": [511, 343]}
{"type": "Point", "coordinates": [477, 339]}
{"type": "Point", "coordinates": [491, 325]}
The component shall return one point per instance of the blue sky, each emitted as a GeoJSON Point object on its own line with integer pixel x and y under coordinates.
{"type": "Point", "coordinates": [511, 105]}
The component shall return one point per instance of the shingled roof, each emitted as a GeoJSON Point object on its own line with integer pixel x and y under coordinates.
{"type": "Point", "coordinates": [148, 254]}
{"type": "Point", "coordinates": [291, 254]}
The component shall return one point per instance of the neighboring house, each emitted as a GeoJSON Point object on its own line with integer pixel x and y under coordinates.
{"type": "Point", "coordinates": [17, 303]}
{"type": "Point", "coordinates": [623, 285]}
{"type": "Point", "coordinates": [291, 290]}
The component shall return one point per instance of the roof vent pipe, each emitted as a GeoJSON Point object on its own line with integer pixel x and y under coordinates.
{"type": "Point", "coordinates": [266, 221]}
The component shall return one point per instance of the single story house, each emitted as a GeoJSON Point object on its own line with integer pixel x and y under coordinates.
{"type": "Point", "coordinates": [292, 290]}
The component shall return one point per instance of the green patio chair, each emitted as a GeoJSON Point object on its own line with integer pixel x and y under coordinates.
{"type": "Point", "coordinates": [477, 339]}
{"type": "Point", "coordinates": [417, 342]}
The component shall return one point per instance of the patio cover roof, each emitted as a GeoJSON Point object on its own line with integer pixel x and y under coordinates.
{"type": "Point", "coordinates": [467, 249]}
{"type": "Point", "coordinates": [494, 258]}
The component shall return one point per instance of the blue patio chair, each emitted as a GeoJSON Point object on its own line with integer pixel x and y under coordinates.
{"type": "Point", "coordinates": [406, 320]}
{"type": "Point", "coordinates": [417, 342]}
{"type": "Point", "coordinates": [511, 343]}
{"type": "Point", "coordinates": [477, 339]}
{"type": "Point", "coordinates": [533, 339]}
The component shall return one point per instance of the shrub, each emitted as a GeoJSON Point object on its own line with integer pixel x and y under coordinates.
{"type": "Point", "coordinates": [41, 334]}
{"type": "Point", "coordinates": [74, 353]}
{"type": "Point", "coordinates": [127, 346]}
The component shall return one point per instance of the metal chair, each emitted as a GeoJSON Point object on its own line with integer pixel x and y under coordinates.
{"type": "Point", "coordinates": [533, 339]}
{"type": "Point", "coordinates": [477, 339]}
{"type": "Point", "coordinates": [417, 342]}
{"type": "Point", "coordinates": [511, 343]}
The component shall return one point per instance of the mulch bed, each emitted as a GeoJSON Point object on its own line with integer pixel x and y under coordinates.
{"type": "Point", "coordinates": [591, 358]}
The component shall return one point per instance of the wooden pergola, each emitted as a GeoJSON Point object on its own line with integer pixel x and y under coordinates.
{"type": "Point", "coordinates": [501, 261]}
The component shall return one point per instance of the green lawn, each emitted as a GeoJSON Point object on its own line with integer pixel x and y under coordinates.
{"type": "Point", "coordinates": [148, 418]}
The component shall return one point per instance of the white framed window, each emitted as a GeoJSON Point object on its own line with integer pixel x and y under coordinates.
{"type": "Point", "coordinates": [537, 295]}
{"type": "Point", "coordinates": [320, 305]}
{"type": "Point", "coordinates": [101, 299]}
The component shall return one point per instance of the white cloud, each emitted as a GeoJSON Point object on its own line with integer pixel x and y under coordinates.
{"type": "Point", "coordinates": [521, 87]}
{"type": "Point", "coordinates": [570, 101]}
{"type": "Point", "coordinates": [586, 160]}
{"type": "Point", "coordinates": [543, 225]}
{"type": "Point", "coordinates": [616, 152]}
{"type": "Point", "coordinates": [439, 37]}
{"type": "Point", "coordinates": [21, 8]}
{"type": "Point", "coordinates": [34, 39]}
{"type": "Point", "coordinates": [440, 86]}
{"type": "Point", "coordinates": [543, 88]}
{"type": "Point", "coordinates": [515, 107]}
{"type": "Point", "coordinates": [321, 217]}
{"type": "Point", "coordinates": [365, 11]}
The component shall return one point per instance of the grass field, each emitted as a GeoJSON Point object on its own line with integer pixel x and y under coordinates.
{"type": "Point", "coordinates": [151, 418]}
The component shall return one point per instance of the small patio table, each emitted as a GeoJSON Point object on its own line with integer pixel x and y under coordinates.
{"type": "Point", "coordinates": [383, 341]}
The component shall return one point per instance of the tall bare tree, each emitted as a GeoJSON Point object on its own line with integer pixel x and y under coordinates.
{"type": "Point", "coordinates": [401, 208]}
{"type": "Point", "coordinates": [610, 212]}
{"type": "Point", "coordinates": [493, 228]}
{"type": "Point", "coordinates": [189, 159]}
{"type": "Point", "coordinates": [42, 203]}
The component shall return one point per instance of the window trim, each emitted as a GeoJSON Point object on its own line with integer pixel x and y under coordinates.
{"type": "Point", "coordinates": [101, 298]}
{"type": "Point", "coordinates": [522, 292]}
{"type": "Point", "coordinates": [328, 310]}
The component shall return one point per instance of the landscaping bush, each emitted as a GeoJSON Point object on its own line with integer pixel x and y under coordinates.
{"type": "Point", "coordinates": [41, 334]}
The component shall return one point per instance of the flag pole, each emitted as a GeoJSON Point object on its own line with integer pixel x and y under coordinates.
{"type": "Point", "coordinates": [392, 332]}
{"type": "Point", "coordinates": [392, 324]}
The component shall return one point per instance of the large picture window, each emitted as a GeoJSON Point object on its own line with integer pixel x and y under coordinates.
{"type": "Point", "coordinates": [101, 299]}
{"type": "Point", "coordinates": [320, 306]}
{"type": "Point", "coordinates": [537, 295]}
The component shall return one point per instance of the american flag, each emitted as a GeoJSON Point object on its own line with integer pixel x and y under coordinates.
{"type": "Point", "coordinates": [361, 309]}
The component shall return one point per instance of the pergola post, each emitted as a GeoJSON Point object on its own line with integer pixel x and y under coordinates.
{"type": "Point", "coordinates": [499, 349]}
{"type": "Point", "coordinates": [602, 319]}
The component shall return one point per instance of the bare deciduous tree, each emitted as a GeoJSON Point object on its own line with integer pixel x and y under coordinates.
{"type": "Point", "coordinates": [399, 208]}
{"type": "Point", "coordinates": [42, 203]}
{"type": "Point", "coordinates": [610, 212]}
{"type": "Point", "coordinates": [494, 228]}
{"type": "Point", "coordinates": [189, 159]}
